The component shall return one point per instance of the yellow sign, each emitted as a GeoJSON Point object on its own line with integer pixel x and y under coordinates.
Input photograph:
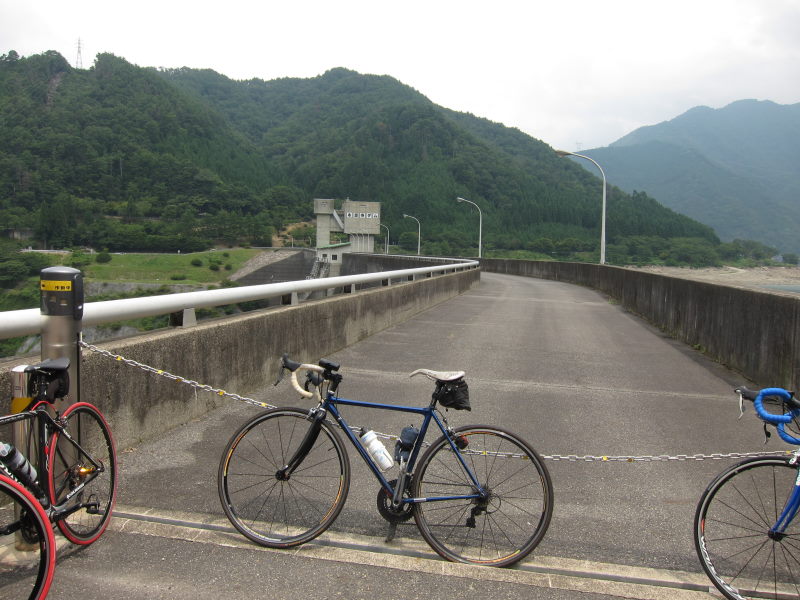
{"type": "Point", "coordinates": [20, 404]}
{"type": "Point", "coordinates": [56, 286]}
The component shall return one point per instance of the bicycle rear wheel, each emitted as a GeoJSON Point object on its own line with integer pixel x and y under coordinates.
{"type": "Point", "coordinates": [282, 512]}
{"type": "Point", "coordinates": [27, 545]}
{"type": "Point", "coordinates": [731, 531]}
{"type": "Point", "coordinates": [70, 468]}
{"type": "Point", "coordinates": [500, 529]}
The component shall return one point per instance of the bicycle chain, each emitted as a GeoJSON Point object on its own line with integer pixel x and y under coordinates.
{"type": "Point", "coordinates": [387, 436]}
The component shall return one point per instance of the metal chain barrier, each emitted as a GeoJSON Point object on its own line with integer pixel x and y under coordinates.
{"type": "Point", "coordinates": [167, 375]}
{"type": "Point", "coordinates": [387, 436]}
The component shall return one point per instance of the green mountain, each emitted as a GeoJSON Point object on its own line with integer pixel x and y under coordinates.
{"type": "Point", "coordinates": [733, 168]}
{"type": "Point", "coordinates": [129, 158]}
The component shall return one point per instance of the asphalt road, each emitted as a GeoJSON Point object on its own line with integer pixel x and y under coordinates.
{"type": "Point", "coordinates": [559, 364]}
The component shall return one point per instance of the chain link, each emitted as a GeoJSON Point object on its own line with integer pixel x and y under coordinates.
{"type": "Point", "coordinates": [663, 458]}
{"type": "Point", "coordinates": [387, 436]}
{"type": "Point", "coordinates": [161, 373]}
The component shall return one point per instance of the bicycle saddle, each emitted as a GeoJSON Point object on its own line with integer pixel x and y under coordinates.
{"type": "Point", "coordinates": [439, 375]}
{"type": "Point", "coordinates": [51, 365]}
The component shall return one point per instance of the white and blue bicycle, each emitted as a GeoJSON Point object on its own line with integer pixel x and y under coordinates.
{"type": "Point", "coordinates": [745, 530]}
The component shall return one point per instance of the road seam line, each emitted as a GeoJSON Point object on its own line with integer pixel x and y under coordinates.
{"type": "Point", "coordinates": [541, 575]}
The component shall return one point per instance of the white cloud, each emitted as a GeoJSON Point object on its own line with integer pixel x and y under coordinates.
{"type": "Point", "coordinates": [579, 72]}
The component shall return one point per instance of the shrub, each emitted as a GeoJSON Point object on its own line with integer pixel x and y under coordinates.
{"type": "Point", "coordinates": [177, 276]}
{"type": "Point", "coordinates": [11, 272]}
{"type": "Point", "coordinates": [103, 257]}
{"type": "Point", "coordinates": [196, 262]}
{"type": "Point", "coordinates": [79, 259]}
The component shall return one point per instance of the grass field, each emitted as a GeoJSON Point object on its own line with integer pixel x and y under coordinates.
{"type": "Point", "coordinates": [197, 267]}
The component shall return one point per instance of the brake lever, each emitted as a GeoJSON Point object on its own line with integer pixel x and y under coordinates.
{"type": "Point", "coordinates": [767, 434]}
{"type": "Point", "coordinates": [315, 378]}
{"type": "Point", "coordinates": [741, 405]}
{"type": "Point", "coordinates": [280, 373]}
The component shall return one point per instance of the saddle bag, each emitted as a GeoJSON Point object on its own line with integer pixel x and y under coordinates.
{"type": "Point", "coordinates": [453, 394]}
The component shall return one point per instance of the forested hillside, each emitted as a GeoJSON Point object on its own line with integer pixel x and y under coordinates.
{"type": "Point", "coordinates": [121, 157]}
{"type": "Point", "coordinates": [733, 168]}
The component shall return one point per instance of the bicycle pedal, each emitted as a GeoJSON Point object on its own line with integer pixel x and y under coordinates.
{"type": "Point", "coordinates": [391, 533]}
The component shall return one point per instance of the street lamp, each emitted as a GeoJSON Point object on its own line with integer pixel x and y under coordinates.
{"type": "Point", "coordinates": [480, 221]}
{"type": "Point", "coordinates": [419, 230]}
{"type": "Point", "coordinates": [386, 249]}
{"type": "Point", "coordinates": [603, 219]}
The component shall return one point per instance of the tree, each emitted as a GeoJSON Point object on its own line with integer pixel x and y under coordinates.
{"type": "Point", "coordinates": [692, 251]}
{"type": "Point", "coordinates": [408, 241]}
{"type": "Point", "coordinates": [11, 272]}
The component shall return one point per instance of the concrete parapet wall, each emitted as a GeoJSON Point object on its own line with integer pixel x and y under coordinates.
{"type": "Point", "coordinates": [353, 264]}
{"type": "Point", "coordinates": [239, 354]}
{"type": "Point", "coordinates": [755, 333]}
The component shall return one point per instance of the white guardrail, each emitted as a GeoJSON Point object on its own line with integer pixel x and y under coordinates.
{"type": "Point", "coordinates": [29, 321]}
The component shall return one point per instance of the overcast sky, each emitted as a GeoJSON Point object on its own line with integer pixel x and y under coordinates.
{"type": "Point", "coordinates": [576, 74]}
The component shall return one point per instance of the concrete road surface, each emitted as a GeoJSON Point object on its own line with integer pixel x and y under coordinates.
{"type": "Point", "coordinates": [559, 364]}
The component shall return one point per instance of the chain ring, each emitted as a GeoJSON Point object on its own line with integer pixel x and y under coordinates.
{"type": "Point", "coordinates": [400, 515]}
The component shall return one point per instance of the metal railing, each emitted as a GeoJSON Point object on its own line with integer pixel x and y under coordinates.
{"type": "Point", "coordinates": [29, 321]}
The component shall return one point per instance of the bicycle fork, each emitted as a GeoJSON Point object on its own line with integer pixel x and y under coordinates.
{"type": "Point", "coordinates": [285, 472]}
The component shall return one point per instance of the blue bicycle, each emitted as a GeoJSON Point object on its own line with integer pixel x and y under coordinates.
{"type": "Point", "coordinates": [745, 531]}
{"type": "Point", "coordinates": [479, 494]}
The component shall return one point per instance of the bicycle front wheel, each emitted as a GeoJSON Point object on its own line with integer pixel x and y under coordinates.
{"type": "Point", "coordinates": [92, 464]}
{"type": "Point", "coordinates": [27, 545]}
{"type": "Point", "coordinates": [498, 529]}
{"type": "Point", "coordinates": [731, 531]}
{"type": "Point", "coordinates": [271, 509]}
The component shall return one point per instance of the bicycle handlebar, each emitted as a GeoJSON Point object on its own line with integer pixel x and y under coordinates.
{"type": "Point", "coordinates": [780, 421]}
{"type": "Point", "coordinates": [293, 367]}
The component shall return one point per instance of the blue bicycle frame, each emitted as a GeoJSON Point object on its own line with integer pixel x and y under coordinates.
{"type": "Point", "coordinates": [780, 421]}
{"type": "Point", "coordinates": [790, 510]}
{"type": "Point", "coordinates": [331, 403]}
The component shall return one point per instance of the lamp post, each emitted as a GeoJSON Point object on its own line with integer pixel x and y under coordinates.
{"type": "Point", "coordinates": [386, 249]}
{"type": "Point", "coordinates": [419, 230]}
{"type": "Point", "coordinates": [480, 221]}
{"type": "Point", "coordinates": [603, 218]}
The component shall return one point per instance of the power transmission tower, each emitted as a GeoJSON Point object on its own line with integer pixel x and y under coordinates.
{"type": "Point", "coordinates": [79, 58]}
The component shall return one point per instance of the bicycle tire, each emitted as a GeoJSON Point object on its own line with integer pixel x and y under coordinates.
{"type": "Point", "coordinates": [28, 572]}
{"type": "Point", "coordinates": [67, 469]}
{"type": "Point", "coordinates": [272, 512]}
{"type": "Point", "coordinates": [731, 527]}
{"type": "Point", "coordinates": [509, 524]}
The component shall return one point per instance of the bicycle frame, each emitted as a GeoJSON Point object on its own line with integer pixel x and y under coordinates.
{"type": "Point", "coordinates": [792, 505]}
{"type": "Point", "coordinates": [46, 427]}
{"type": "Point", "coordinates": [331, 404]}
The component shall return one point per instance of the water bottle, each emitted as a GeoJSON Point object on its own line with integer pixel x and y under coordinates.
{"type": "Point", "coordinates": [19, 466]}
{"type": "Point", "coordinates": [377, 450]}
